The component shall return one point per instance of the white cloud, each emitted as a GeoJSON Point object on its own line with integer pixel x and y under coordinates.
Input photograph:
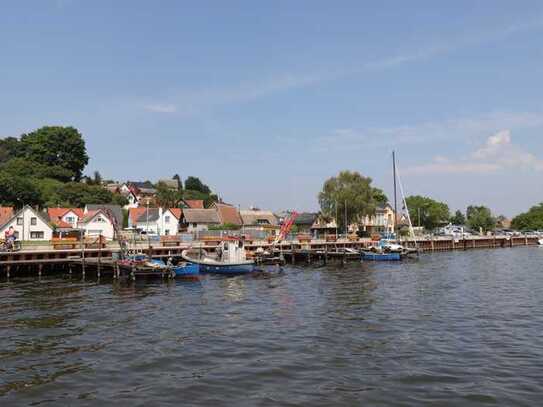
{"type": "Point", "coordinates": [497, 154]}
{"type": "Point", "coordinates": [159, 108]}
{"type": "Point", "coordinates": [463, 128]}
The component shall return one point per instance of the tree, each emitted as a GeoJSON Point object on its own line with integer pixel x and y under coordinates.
{"type": "Point", "coordinates": [167, 197]}
{"type": "Point", "coordinates": [208, 199]}
{"type": "Point", "coordinates": [480, 217]}
{"type": "Point", "coordinates": [78, 194]}
{"type": "Point", "coordinates": [427, 212]}
{"type": "Point", "coordinates": [23, 167]}
{"type": "Point", "coordinates": [531, 220]}
{"type": "Point", "coordinates": [56, 146]}
{"type": "Point", "coordinates": [458, 218]}
{"type": "Point", "coordinates": [9, 148]}
{"type": "Point", "coordinates": [119, 199]}
{"type": "Point", "coordinates": [194, 184]}
{"type": "Point", "coordinates": [18, 191]}
{"type": "Point", "coordinates": [348, 193]}
{"type": "Point", "coordinates": [379, 196]}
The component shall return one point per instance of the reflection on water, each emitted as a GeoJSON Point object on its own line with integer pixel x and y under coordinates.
{"type": "Point", "coordinates": [451, 329]}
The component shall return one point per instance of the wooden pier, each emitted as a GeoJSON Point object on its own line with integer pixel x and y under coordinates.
{"type": "Point", "coordinates": [102, 261]}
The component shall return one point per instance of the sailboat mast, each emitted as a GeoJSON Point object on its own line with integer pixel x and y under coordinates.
{"type": "Point", "coordinates": [395, 190]}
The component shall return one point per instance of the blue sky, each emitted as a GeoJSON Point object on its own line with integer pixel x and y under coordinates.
{"type": "Point", "coordinates": [265, 101]}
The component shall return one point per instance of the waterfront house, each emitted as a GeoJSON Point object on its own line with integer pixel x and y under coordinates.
{"type": "Point", "coordinates": [382, 221]}
{"type": "Point", "coordinates": [111, 210]}
{"type": "Point", "coordinates": [227, 214]}
{"type": "Point", "coordinates": [29, 224]}
{"type": "Point", "coordinates": [196, 220]}
{"type": "Point", "coordinates": [65, 218]}
{"type": "Point", "coordinates": [256, 218]}
{"type": "Point", "coordinates": [155, 220]}
{"type": "Point", "coordinates": [323, 226]}
{"type": "Point", "coordinates": [304, 221]}
{"type": "Point", "coordinates": [96, 222]}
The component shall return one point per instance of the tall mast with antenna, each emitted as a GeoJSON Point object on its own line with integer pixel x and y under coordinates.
{"type": "Point", "coordinates": [395, 190]}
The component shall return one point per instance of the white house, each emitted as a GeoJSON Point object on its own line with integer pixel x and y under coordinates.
{"type": "Point", "coordinates": [155, 220]}
{"type": "Point", "coordinates": [200, 219]}
{"type": "Point", "coordinates": [29, 224]}
{"type": "Point", "coordinates": [96, 223]}
{"type": "Point", "coordinates": [65, 217]}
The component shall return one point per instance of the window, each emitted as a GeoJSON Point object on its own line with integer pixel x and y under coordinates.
{"type": "Point", "coordinates": [19, 221]}
{"type": "Point", "coordinates": [33, 221]}
{"type": "Point", "coordinates": [99, 219]}
{"type": "Point", "coordinates": [167, 232]}
{"type": "Point", "coordinates": [167, 219]}
{"type": "Point", "coordinates": [70, 219]}
{"type": "Point", "coordinates": [36, 235]}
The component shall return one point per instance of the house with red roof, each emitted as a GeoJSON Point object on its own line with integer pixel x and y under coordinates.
{"type": "Point", "coordinates": [97, 222]}
{"type": "Point", "coordinates": [65, 218]}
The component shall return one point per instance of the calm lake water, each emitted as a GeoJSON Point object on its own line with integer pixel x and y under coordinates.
{"type": "Point", "coordinates": [459, 329]}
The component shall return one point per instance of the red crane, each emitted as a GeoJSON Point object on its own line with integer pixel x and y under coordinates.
{"type": "Point", "coordinates": [286, 226]}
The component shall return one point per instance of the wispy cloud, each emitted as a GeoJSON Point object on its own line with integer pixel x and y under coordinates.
{"type": "Point", "coordinates": [160, 108]}
{"type": "Point", "coordinates": [463, 128]}
{"type": "Point", "coordinates": [195, 101]}
{"type": "Point", "coordinates": [498, 153]}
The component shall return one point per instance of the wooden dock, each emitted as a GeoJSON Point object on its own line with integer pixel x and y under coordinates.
{"type": "Point", "coordinates": [102, 261]}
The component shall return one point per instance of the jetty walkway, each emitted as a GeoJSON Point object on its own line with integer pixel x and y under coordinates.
{"type": "Point", "coordinates": [102, 260]}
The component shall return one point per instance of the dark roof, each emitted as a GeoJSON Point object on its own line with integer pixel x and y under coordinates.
{"type": "Point", "coordinates": [305, 218]}
{"type": "Point", "coordinates": [139, 184]}
{"type": "Point", "coordinates": [153, 215]}
{"type": "Point", "coordinates": [115, 210]}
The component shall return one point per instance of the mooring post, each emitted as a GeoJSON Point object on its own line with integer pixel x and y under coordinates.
{"type": "Point", "coordinates": [7, 271]}
{"type": "Point", "coordinates": [40, 266]}
{"type": "Point", "coordinates": [70, 269]}
{"type": "Point", "coordinates": [293, 252]}
{"type": "Point", "coordinates": [99, 254]}
{"type": "Point", "coordinates": [325, 253]}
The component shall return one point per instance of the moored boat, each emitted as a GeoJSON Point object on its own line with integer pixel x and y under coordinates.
{"type": "Point", "coordinates": [186, 269]}
{"type": "Point", "coordinates": [229, 258]}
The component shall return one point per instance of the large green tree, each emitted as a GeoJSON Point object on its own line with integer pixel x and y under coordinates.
{"type": "Point", "coordinates": [9, 148]}
{"type": "Point", "coordinates": [79, 194]}
{"type": "Point", "coordinates": [18, 191]}
{"type": "Point", "coordinates": [195, 184]}
{"type": "Point", "coordinates": [56, 146]}
{"type": "Point", "coordinates": [458, 218]}
{"type": "Point", "coordinates": [531, 220]}
{"type": "Point", "coordinates": [480, 217]}
{"type": "Point", "coordinates": [427, 212]}
{"type": "Point", "coordinates": [350, 195]}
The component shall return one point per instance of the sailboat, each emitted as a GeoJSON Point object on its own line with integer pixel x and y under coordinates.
{"type": "Point", "coordinates": [390, 249]}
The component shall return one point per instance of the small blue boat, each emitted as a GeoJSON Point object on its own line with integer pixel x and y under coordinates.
{"type": "Point", "coordinates": [186, 270]}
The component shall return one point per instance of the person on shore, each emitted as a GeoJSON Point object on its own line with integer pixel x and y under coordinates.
{"type": "Point", "coordinates": [10, 237]}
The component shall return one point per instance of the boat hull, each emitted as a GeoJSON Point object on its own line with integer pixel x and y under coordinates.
{"type": "Point", "coordinates": [227, 268]}
{"type": "Point", "coordinates": [186, 270]}
{"type": "Point", "coordinates": [393, 256]}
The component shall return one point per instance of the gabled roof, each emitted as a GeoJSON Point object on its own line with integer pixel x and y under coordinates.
{"type": "Point", "coordinates": [135, 213]}
{"type": "Point", "coordinates": [252, 217]}
{"type": "Point", "coordinates": [150, 215]}
{"type": "Point", "coordinates": [90, 215]}
{"type": "Point", "coordinates": [41, 215]}
{"type": "Point", "coordinates": [115, 210]}
{"type": "Point", "coordinates": [201, 216]}
{"type": "Point", "coordinates": [195, 203]}
{"type": "Point", "coordinates": [6, 213]}
{"type": "Point", "coordinates": [305, 218]}
{"type": "Point", "coordinates": [228, 214]}
{"type": "Point", "coordinates": [57, 213]}
{"type": "Point", "coordinates": [177, 212]}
